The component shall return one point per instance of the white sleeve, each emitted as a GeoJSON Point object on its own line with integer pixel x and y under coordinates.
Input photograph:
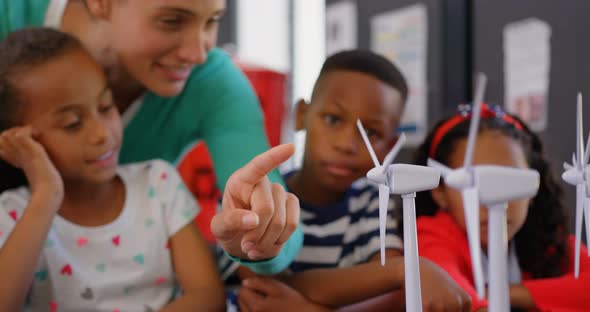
{"type": "Point", "coordinates": [12, 206]}
{"type": "Point", "coordinates": [179, 205]}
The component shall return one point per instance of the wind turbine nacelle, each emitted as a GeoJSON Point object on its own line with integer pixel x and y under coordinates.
{"type": "Point", "coordinates": [377, 175]}
{"type": "Point", "coordinates": [459, 179]}
{"type": "Point", "coordinates": [498, 184]}
{"type": "Point", "coordinates": [573, 176]}
{"type": "Point", "coordinates": [408, 179]}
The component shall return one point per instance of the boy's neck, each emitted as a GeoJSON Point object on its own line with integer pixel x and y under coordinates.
{"type": "Point", "coordinates": [92, 204]}
{"type": "Point", "coordinates": [305, 185]}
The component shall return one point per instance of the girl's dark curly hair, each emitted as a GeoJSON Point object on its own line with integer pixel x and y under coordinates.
{"type": "Point", "coordinates": [542, 242]}
{"type": "Point", "coordinates": [20, 51]}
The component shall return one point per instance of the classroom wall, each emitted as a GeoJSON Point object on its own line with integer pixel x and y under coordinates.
{"type": "Point", "coordinates": [569, 67]}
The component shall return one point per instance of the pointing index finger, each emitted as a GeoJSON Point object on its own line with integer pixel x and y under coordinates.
{"type": "Point", "coordinates": [263, 164]}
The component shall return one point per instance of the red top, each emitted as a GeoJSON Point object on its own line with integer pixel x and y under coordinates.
{"type": "Point", "coordinates": [442, 241]}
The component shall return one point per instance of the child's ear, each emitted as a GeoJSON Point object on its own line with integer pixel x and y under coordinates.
{"type": "Point", "coordinates": [99, 8]}
{"type": "Point", "coordinates": [300, 112]}
{"type": "Point", "coordinates": [440, 198]}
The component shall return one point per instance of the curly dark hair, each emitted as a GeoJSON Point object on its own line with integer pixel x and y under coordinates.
{"type": "Point", "coordinates": [20, 51]}
{"type": "Point", "coordinates": [541, 243]}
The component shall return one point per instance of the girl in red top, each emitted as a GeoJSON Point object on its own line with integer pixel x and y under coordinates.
{"type": "Point", "coordinates": [540, 248]}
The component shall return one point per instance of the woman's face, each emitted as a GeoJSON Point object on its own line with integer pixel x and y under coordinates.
{"type": "Point", "coordinates": [160, 41]}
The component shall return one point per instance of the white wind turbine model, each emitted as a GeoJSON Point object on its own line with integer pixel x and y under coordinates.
{"type": "Point", "coordinates": [498, 185]}
{"type": "Point", "coordinates": [404, 180]}
{"type": "Point", "coordinates": [578, 174]}
{"type": "Point", "coordinates": [463, 180]}
{"type": "Point", "coordinates": [495, 186]}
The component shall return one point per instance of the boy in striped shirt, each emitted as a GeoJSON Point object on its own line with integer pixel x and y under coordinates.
{"type": "Point", "coordinates": [338, 264]}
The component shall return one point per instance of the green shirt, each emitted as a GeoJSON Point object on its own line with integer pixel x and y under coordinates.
{"type": "Point", "coordinates": [217, 105]}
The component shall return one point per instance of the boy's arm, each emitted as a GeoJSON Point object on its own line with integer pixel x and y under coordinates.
{"type": "Point", "coordinates": [343, 286]}
{"type": "Point", "coordinates": [196, 272]}
{"type": "Point", "coordinates": [346, 286]}
{"type": "Point", "coordinates": [327, 288]}
{"type": "Point", "coordinates": [393, 301]}
{"type": "Point", "coordinates": [267, 294]}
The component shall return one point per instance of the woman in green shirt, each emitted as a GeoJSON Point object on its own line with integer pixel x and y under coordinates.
{"type": "Point", "coordinates": [173, 88]}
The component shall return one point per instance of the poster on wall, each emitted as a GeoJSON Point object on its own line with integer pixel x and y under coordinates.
{"type": "Point", "coordinates": [401, 36]}
{"type": "Point", "coordinates": [527, 63]}
{"type": "Point", "coordinates": [341, 26]}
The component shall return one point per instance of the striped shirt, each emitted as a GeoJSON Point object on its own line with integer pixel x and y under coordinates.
{"type": "Point", "coordinates": [346, 233]}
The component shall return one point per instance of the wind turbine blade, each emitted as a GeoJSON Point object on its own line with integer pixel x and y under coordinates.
{"type": "Point", "coordinates": [580, 194]}
{"type": "Point", "coordinates": [383, 204]}
{"type": "Point", "coordinates": [435, 164]}
{"type": "Point", "coordinates": [574, 160]}
{"type": "Point", "coordinates": [359, 124]}
{"type": "Point", "coordinates": [394, 151]}
{"type": "Point", "coordinates": [580, 135]}
{"type": "Point", "coordinates": [473, 127]}
{"type": "Point", "coordinates": [471, 209]}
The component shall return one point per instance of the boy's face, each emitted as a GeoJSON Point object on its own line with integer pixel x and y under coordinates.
{"type": "Point", "coordinates": [68, 102]}
{"type": "Point", "coordinates": [334, 151]}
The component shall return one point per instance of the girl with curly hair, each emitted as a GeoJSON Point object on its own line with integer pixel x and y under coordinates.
{"type": "Point", "coordinates": [540, 261]}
